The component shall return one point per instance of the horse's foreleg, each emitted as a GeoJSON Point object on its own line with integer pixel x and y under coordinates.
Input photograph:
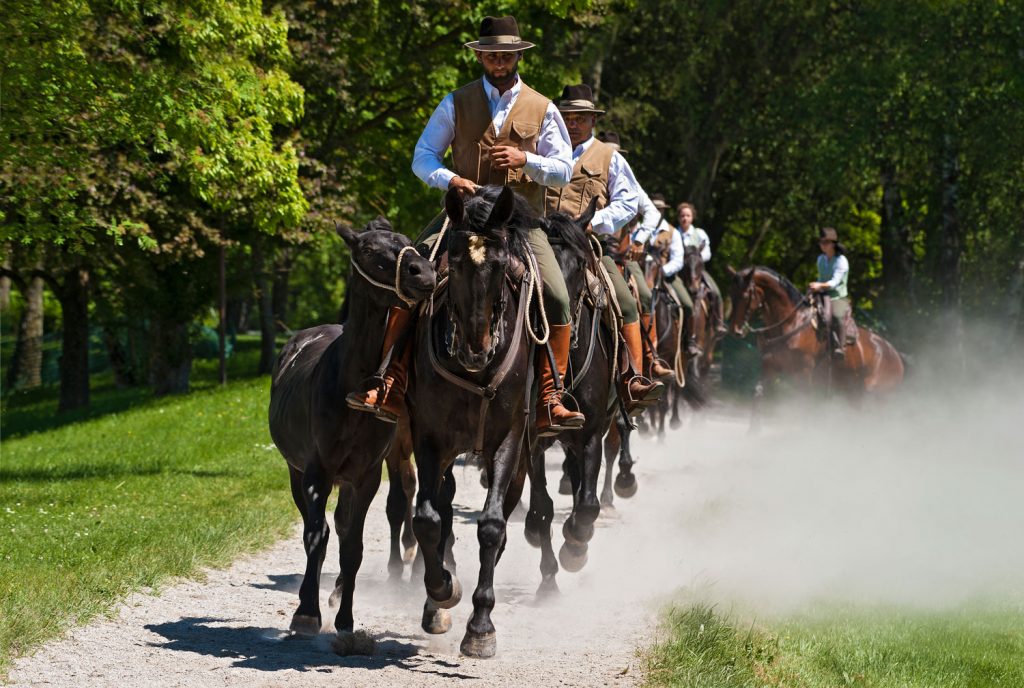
{"type": "Point", "coordinates": [480, 639]}
{"type": "Point", "coordinates": [579, 527]}
{"type": "Point", "coordinates": [396, 510]}
{"type": "Point", "coordinates": [349, 519]}
{"type": "Point", "coordinates": [611, 450]}
{"type": "Point", "coordinates": [408, 473]}
{"type": "Point", "coordinates": [311, 489]}
{"type": "Point", "coordinates": [565, 484]}
{"type": "Point", "coordinates": [625, 481]}
{"type": "Point", "coordinates": [443, 589]}
{"type": "Point", "coordinates": [539, 518]}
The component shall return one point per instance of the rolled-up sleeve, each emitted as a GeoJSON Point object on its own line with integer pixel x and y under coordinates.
{"type": "Point", "coordinates": [437, 136]}
{"type": "Point", "coordinates": [651, 219]}
{"type": "Point", "coordinates": [842, 267]}
{"type": "Point", "coordinates": [623, 197]}
{"type": "Point", "coordinates": [551, 165]}
{"type": "Point", "coordinates": [705, 249]}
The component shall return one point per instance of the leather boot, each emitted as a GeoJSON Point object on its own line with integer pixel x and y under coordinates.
{"type": "Point", "coordinates": [838, 339]}
{"type": "Point", "coordinates": [656, 367]}
{"type": "Point", "coordinates": [689, 339]}
{"type": "Point", "coordinates": [718, 315]}
{"type": "Point", "coordinates": [387, 400]}
{"type": "Point", "coordinates": [552, 417]}
{"type": "Point", "coordinates": [639, 392]}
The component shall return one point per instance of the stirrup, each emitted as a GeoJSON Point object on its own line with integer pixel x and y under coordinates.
{"type": "Point", "coordinates": [553, 428]}
{"type": "Point", "coordinates": [637, 406]}
{"type": "Point", "coordinates": [355, 400]}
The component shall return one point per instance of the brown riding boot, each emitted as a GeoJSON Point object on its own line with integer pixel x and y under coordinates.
{"type": "Point", "coordinates": [552, 417]}
{"type": "Point", "coordinates": [387, 400]}
{"type": "Point", "coordinates": [639, 393]}
{"type": "Point", "coordinates": [656, 367]}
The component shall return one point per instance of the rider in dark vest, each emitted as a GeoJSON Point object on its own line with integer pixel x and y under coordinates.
{"type": "Point", "coordinates": [500, 131]}
{"type": "Point", "coordinates": [833, 275]}
{"type": "Point", "coordinates": [600, 171]}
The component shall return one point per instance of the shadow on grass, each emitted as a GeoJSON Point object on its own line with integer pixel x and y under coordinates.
{"type": "Point", "coordinates": [36, 475]}
{"type": "Point", "coordinates": [272, 649]}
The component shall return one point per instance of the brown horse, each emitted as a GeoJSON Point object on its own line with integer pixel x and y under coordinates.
{"type": "Point", "coordinates": [702, 327]}
{"type": "Point", "coordinates": [789, 344]}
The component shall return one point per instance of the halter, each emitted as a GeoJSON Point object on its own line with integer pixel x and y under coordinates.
{"type": "Point", "coordinates": [396, 289]}
{"type": "Point", "coordinates": [750, 291]}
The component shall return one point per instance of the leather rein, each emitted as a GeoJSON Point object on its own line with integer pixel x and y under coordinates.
{"type": "Point", "coordinates": [773, 341]}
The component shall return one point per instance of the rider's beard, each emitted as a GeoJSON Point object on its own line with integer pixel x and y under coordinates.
{"type": "Point", "coordinates": [507, 78]}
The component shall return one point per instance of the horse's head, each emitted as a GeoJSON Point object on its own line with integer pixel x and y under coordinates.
{"type": "Point", "coordinates": [571, 246]}
{"type": "Point", "coordinates": [693, 268]}
{"type": "Point", "coordinates": [657, 256]}
{"type": "Point", "coordinates": [389, 265]}
{"type": "Point", "coordinates": [745, 298]}
{"type": "Point", "coordinates": [487, 232]}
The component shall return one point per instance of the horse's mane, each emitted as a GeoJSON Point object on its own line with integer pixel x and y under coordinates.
{"type": "Point", "coordinates": [794, 294]}
{"type": "Point", "coordinates": [523, 219]}
{"type": "Point", "coordinates": [562, 230]}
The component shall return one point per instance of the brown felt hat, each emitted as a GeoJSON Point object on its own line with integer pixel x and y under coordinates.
{"type": "Point", "coordinates": [830, 234]}
{"type": "Point", "coordinates": [659, 201]}
{"type": "Point", "coordinates": [612, 139]}
{"type": "Point", "coordinates": [578, 98]}
{"type": "Point", "coordinates": [499, 35]}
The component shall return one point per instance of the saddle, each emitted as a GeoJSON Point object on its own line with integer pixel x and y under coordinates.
{"type": "Point", "coordinates": [821, 319]}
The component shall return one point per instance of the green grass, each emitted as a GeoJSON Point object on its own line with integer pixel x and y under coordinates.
{"type": "Point", "coordinates": [886, 648]}
{"type": "Point", "coordinates": [95, 509]}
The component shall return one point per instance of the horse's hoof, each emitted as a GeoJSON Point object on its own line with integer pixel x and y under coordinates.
{"type": "Point", "coordinates": [675, 424]}
{"type": "Point", "coordinates": [576, 533]}
{"type": "Point", "coordinates": [572, 559]}
{"type": "Point", "coordinates": [335, 599]}
{"type": "Point", "coordinates": [565, 486]}
{"type": "Point", "coordinates": [479, 645]}
{"type": "Point", "coordinates": [485, 482]}
{"type": "Point", "coordinates": [435, 621]}
{"type": "Point", "coordinates": [625, 485]}
{"type": "Point", "coordinates": [305, 625]}
{"type": "Point", "coordinates": [452, 600]}
{"type": "Point", "coordinates": [548, 588]}
{"type": "Point", "coordinates": [409, 554]}
{"type": "Point", "coordinates": [347, 643]}
{"type": "Point", "coordinates": [531, 535]}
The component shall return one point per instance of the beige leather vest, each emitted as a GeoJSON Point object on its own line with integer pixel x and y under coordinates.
{"type": "Point", "coordinates": [474, 138]}
{"type": "Point", "coordinates": [589, 179]}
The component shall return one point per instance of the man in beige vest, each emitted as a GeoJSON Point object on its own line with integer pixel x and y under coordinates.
{"type": "Point", "coordinates": [600, 171]}
{"type": "Point", "coordinates": [500, 132]}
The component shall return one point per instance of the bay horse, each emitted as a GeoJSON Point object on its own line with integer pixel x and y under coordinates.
{"type": "Point", "coordinates": [703, 331]}
{"type": "Point", "coordinates": [670, 321]}
{"type": "Point", "coordinates": [471, 393]}
{"type": "Point", "coordinates": [789, 344]}
{"type": "Point", "coordinates": [589, 381]}
{"type": "Point", "coordinates": [323, 441]}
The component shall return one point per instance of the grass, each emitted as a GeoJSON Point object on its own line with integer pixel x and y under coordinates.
{"type": "Point", "coordinates": [128, 494]}
{"type": "Point", "coordinates": [885, 648]}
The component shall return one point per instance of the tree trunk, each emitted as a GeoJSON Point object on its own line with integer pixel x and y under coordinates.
{"type": "Point", "coordinates": [119, 353]}
{"type": "Point", "coordinates": [74, 359]}
{"type": "Point", "coordinates": [264, 297]}
{"type": "Point", "coordinates": [282, 275]}
{"type": "Point", "coordinates": [26, 367]}
{"type": "Point", "coordinates": [170, 356]}
{"type": "Point", "coordinates": [895, 242]}
{"type": "Point", "coordinates": [950, 248]}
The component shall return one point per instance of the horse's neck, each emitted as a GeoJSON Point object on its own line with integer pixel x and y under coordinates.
{"type": "Point", "coordinates": [778, 306]}
{"type": "Point", "coordinates": [362, 338]}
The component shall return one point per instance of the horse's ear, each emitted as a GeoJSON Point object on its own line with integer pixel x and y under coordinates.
{"type": "Point", "coordinates": [454, 206]}
{"type": "Point", "coordinates": [380, 224]}
{"type": "Point", "coordinates": [731, 271]}
{"type": "Point", "coordinates": [346, 233]}
{"type": "Point", "coordinates": [502, 210]}
{"type": "Point", "coordinates": [587, 217]}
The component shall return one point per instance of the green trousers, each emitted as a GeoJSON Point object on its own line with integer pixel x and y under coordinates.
{"type": "Point", "coordinates": [630, 311]}
{"type": "Point", "coordinates": [556, 295]}
{"type": "Point", "coordinates": [633, 268]}
{"type": "Point", "coordinates": [675, 283]}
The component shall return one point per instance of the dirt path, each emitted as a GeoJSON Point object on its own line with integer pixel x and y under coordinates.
{"type": "Point", "coordinates": [230, 629]}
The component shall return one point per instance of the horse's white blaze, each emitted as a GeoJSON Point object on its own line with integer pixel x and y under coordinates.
{"type": "Point", "coordinates": [477, 249]}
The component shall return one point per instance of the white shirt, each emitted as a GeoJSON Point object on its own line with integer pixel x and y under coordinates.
{"type": "Point", "coordinates": [550, 166]}
{"type": "Point", "coordinates": [695, 236]}
{"type": "Point", "coordinates": [675, 252]}
{"type": "Point", "coordinates": [651, 219]}
{"type": "Point", "coordinates": [623, 192]}
{"type": "Point", "coordinates": [839, 269]}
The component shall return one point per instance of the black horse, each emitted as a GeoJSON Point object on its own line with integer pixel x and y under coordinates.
{"type": "Point", "coordinates": [324, 442]}
{"type": "Point", "coordinates": [471, 392]}
{"type": "Point", "coordinates": [590, 384]}
{"type": "Point", "coordinates": [703, 330]}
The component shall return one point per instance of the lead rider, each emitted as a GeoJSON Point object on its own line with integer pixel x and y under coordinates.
{"type": "Point", "coordinates": [501, 132]}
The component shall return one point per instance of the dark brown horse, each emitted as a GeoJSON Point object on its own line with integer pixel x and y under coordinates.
{"type": "Point", "coordinates": [589, 381]}
{"type": "Point", "coordinates": [790, 345]}
{"type": "Point", "coordinates": [702, 328]}
{"type": "Point", "coordinates": [324, 442]}
{"type": "Point", "coordinates": [669, 318]}
{"type": "Point", "coordinates": [471, 393]}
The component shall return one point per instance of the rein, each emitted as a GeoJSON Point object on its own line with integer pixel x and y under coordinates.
{"type": "Point", "coordinates": [767, 343]}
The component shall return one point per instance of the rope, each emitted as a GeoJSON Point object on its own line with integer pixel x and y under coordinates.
{"type": "Point", "coordinates": [440, 237]}
{"type": "Point", "coordinates": [396, 288]}
{"type": "Point", "coordinates": [531, 265]}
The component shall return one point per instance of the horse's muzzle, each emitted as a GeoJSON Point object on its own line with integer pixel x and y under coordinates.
{"type": "Point", "coordinates": [472, 361]}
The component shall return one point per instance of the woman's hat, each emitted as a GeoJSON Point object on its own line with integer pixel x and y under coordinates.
{"type": "Point", "coordinates": [612, 139]}
{"type": "Point", "coordinates": [499, 35]}
{"type": "Point", "coordinates": [578, 98]}
{"type": "Point", "coordinates": [830, 234]}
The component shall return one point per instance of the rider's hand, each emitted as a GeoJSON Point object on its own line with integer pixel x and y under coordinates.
{"type": "Point", "coordinates": [636, 251]}
{"type": "Point", "coordinates": [816, 286]}
{"type": "Point", "coordinates": [463, 185]}
{"type": "Point", "coordinates": [507, 158]}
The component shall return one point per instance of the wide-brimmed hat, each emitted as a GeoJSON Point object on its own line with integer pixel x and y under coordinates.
{"type": "Point", "coordinates": [659, 201]}
{"type": "Point", "coordinates": [830, 234]}
{"type": "Point", "coordinates": [578, 98]}
{"type": "Point", "coordinates": [612, 139]}
{"type": "Point", "coordinates": [499, 35]}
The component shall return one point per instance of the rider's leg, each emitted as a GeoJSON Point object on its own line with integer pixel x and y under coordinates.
{"type": "Point", "coordinates": [690, 340]}
{"type": "Point", "coordinates": [840, 307]}
{"type": "Point", "coordinates": [654, 366]}
{"type": "Point", "coordinates": [552, 416]}
{"type": "Point", "coordinates": [387, 400]}
{"type": "Point", "coordinates": [639, 392]}
{"type": "Point", "coordinates": [717, 312]}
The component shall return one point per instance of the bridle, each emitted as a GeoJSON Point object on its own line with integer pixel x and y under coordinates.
{"type": "Point", "coordinates": [396, 288]}
{"type": "Point", "coordinates": [749, 295]}
{"type": "Point", "coordinates": [496, 327]}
